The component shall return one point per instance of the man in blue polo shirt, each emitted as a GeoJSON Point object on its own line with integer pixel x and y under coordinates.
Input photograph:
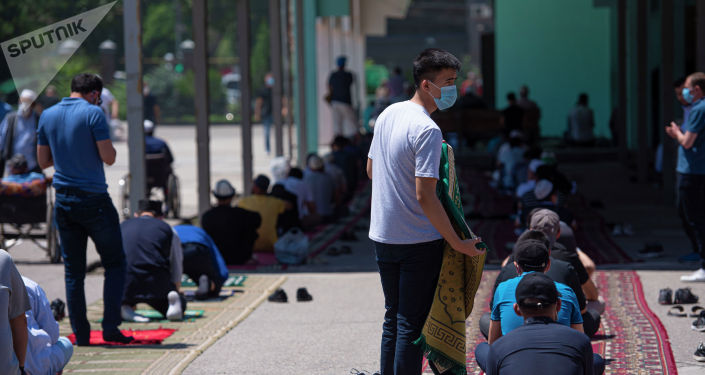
{"type": "Point", "coordinates": [691, 167]}
{"type": "Point", "coordinates": [529, 256]}
{"type": "Point", "coordinates": [540, 345]}
{"type": "Point", "coordinates": [74, 137]}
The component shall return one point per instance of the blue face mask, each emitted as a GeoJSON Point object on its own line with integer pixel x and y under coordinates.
{"type": "Point", "coordinates": [270, 81]}
{"type": "Point", "coordinates": [448, 96]}
{"type": "Point", "coordinates": [687, 96]}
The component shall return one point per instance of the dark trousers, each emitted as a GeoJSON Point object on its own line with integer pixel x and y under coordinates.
{"type": "Point", "coordinates": [482, 351]}
{"type": "Point", "coordinates": [198, 261]}
{"type": "Point", "coordinates": [409, 274]}
{"type": "Point", "coordinates": [691, 202]}
{"type": "Point", "coordinates": [80, 215]}
{"type": "Point", "coordinates": [160, 304]}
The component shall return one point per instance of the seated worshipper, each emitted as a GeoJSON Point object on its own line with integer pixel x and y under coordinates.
{"type": "Point", "coordinates": [14, 302]}
{"type": "Point", "coordinates": [18, 131]}
{"type": "Point", "coordinates": [47, 352]}
{"type": "Point", "coordinates": [530, 182]}
{"type": "Point", "coordinates": [541, 345]}
{"type": "Point", "coordinates": [158, 159]}
{"type": "Point", "coordinates": [202, 261]}
{"type": "Point", "coordinates": [544, 195]}
{"type": "Point", "coordinates": [233, 229]}
{"type": "Point", "coordinates": [529, 256]}
{"type": "Point", "coordinates": [294, 183]}
{"type": "Point", "coordinates": [560, 271]}
{"type": "Point", "coordinates": [154, 264]}
{"type": "Point", "coordinates": [322, 187]}
{"type": "Point", "coordinates": [348, 162]}
{"type": "Point", "coordinates": [548, 223]}
{"type": "Point", "coordinates": [289, 218]}
{"type": "Point", "coordinates": [581, 122]}
{"type": "Point", "coordinates": [269, 209]}
{"type": "Point", "coordinates": [509, 155]}
{"type": "Point", "coordinates": [20, 181]}
{"type": "Point", "coordinates": [568, 252]}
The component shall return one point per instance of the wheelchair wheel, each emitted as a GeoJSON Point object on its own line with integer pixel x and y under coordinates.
{"type": "Point", "coordinates": [52, 235]}
{"type": "Point", "coordinates": [125, 196]}
{"type": "Point", "coordinates": [173, 198]}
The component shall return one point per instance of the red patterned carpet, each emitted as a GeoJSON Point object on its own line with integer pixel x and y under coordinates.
{"type": "Point", "coordinates": [632, 339]}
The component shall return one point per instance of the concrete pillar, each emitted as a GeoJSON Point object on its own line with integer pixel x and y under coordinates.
{"type": "Point", "coordinates": [200, 66]}
{"type": "Point", "coordinates": [132, 27]}
{"type": "Point", "coordinates": [243, 47]}
{"type": "Point", "coordinates": [643, 149]}
{"type": "Point", "coordinates": [622, 84]}
{"type": "Point", "coordinates": [275, 53]}
{"type": "Point", "coordinates": [667, 100]}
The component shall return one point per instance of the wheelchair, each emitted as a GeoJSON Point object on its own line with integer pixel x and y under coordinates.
{"type": "Point", "coordinates": [162, 183]}
{"type": "Point", "coordinates": [30, 218]}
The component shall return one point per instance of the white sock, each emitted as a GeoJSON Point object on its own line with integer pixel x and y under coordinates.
{"type": "Point", "coordinates": [174, 312]}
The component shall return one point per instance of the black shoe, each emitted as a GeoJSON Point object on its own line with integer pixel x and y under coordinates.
{"type": "Point", "coordinates": [118, 337]}
{"type": "Point", "coordinates": [302, 295]}
{"type": "Point", "coordinates": [684, 295]}
{"type": "Point", "coordinates": [651, 250]}
{"type": "Point", "coordinates": [57, 307]}
{"type": "Point", "coordinates": [665, 296]}
{"type": "Point", "coordinates": [278, 296]}
{"type": "Point", "coordinates": [699, 324]}
{"type": "Point", "coordinates": [699, 354]}
{"type": "Point", "coordinates": [204, 286]}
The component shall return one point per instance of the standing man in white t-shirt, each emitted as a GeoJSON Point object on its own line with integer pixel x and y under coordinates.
{"type": "Point", "coordinates": [408, 223]}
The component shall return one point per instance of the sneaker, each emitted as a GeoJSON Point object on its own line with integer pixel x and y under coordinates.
{"type": "Point", "coordinates": [665, 296]}
{"type": "Point", "coordinates": [278, 296]}
{"type": "Point", "coordinates": [697, 276]}
{"type": "Point", "coordinates": [129, 315]}
{"type": "Point", "coordinates": [302, 295]}
{"type": "Point", "coordinates": [118, 337]}
{"type": "Point", "coordinates": [651, 250]}
{"type": "Point", "coordinates": [174, 312]}
{"type": "Point", "coordinates": [699, 354]}
{"type": "Point", "coordinates": [699, 324]}
{"type": "Point", "coordinates": [204, 285]}
{"type": "Point", "coordinates": [692, 257]}
{"type": "Point", "coordinates": [683, 296]}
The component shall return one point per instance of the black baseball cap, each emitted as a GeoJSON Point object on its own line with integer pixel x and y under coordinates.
{"type": "Point", "coordinates": [536, 290]}
{"type": "Point", "coordinates": [531, 255]}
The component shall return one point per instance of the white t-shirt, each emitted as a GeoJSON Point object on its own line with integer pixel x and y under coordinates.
{"type": "Point", "coordinates": [406, 145]}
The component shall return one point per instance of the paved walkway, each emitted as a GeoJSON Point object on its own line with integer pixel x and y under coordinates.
{"type": "Point", "coordinates": [341, 328]}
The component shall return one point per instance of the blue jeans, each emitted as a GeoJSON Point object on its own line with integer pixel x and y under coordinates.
{"type": "Point", "coordinates": [691, 204]}
{"type": "Point", "coordinates": [80, 215]}
{"type": "Point", "coordinates": [409, 275]}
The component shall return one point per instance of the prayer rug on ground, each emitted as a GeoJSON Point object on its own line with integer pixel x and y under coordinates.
{"type": "Point", "coordinates": [191, 337]}
{"type": "Point", "coordinates": [631, 339]}
{"type": "Point", "coordinates": [141, 337]}
{"type": "Point", "coordinates": [233, 280]}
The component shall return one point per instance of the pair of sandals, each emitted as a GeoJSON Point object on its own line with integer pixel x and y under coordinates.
{"type": "Point", "coordinates": [679, 311]}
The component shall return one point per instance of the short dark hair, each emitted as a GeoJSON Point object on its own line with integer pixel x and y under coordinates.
{"type": "Point", "coordinates": [296, 173]}
{"type": "Point", "coordinates": [532, 234]}
{"type": "Point", "coordinates": [583, 98]}
{"type": "Point", "coordinates": [85, 83]}
{"type": "Point", "coordinates": [431, 61]}
{"type": "Point", "coordinates": [511, 97]}
{"type": "Point", "coordinates": [678, 82]}
{"type": "Point", "coordinates": [698, 79]}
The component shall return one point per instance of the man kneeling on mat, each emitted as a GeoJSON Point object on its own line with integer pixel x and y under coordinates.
{"type": "Point", "coordinates": [202, 261]}
{"type": "Point", "coordinates": [154, 264]}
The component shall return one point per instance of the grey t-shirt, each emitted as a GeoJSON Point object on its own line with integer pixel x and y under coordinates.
{"type": "Point", "coordinates": [14, 300]}
{"type": "Point", "coordinates": [406, 144]}
{"type": "Point", "coordinates": [323, 189]}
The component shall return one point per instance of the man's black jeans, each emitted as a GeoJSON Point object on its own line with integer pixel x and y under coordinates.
{"type": "Point", "coordinates": [691, 203]}
{"type": "Point", "coordinates": [409, 276]}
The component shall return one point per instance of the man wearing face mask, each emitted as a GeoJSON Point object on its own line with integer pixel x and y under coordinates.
{"type": "Point", "coordinates": [18, 132]}
{"type": "Point", "coordinates": [74, 137]}
{"type": "Point", "coordinates": [263, 107]}
{"type": "Point", "coordinates": [408, 223]}
{"type": "Point", "coordinates": [691, 167]}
